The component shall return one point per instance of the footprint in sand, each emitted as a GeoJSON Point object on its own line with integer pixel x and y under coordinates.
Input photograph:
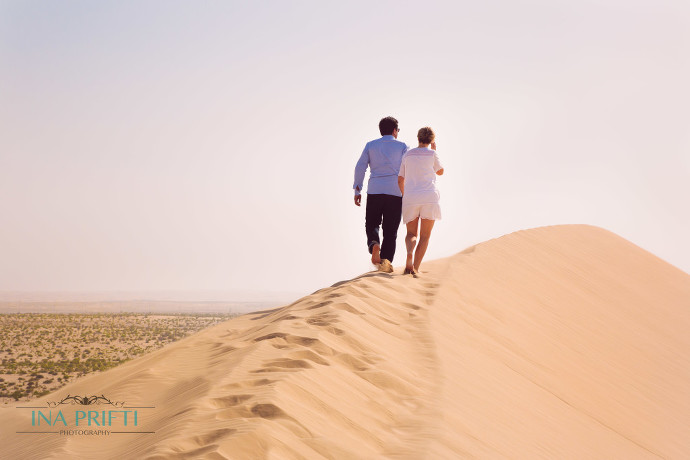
{"type": "Point", "coordinates": [230, 401]}
{"type": "Point", "coordinates": [213, 436]}
{"type": "Point", "coordinates": [311, 356]}
{"type": "Point", "coordinates": [271, 411]}
{"type": "Point", "coordinates": [324, 319]}
{"type": "Point", "coordinates": [352, 362]}
{"type": "Point", "coordinates": [248, 384]}
{"type": "Point", "coordinates": [348, 308]}
{"type": "Point", "coordinates": [272, 335]}
{"type": "Point", "coordinates": [219, 349]}
{"type": "Point", "coordinates": [285, 318]}
{"type": "Point", "coordinates": [264, 313]}
{"type": "Point", "coordinates": [320, 305]}
{"type": "Point", "coordinates": [287, 363]}
{"type": "Point", "coordinates": [296, 339]}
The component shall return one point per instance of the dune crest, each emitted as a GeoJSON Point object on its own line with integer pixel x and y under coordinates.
{"type": "Point", "coordinates": [555, 342]}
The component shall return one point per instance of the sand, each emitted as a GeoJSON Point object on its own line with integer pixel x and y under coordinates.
{"type": "Point", "coordinates": [556, 342]}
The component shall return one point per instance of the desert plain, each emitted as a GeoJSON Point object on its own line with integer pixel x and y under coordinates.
{"type": "Point", "coordinates": [40, 353]}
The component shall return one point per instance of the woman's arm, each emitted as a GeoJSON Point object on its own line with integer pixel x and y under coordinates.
{"type": "Point", "coordinates": [401, 184]}
{"type": "Point", "coordinates": [437, 162]}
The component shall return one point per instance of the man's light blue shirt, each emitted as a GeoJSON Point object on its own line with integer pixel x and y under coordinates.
{"type": "Point", "coordinates": [383, 157]}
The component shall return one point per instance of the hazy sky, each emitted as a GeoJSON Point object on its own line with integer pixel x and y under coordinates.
{"type": "Point", "coordinates": [211, 145]}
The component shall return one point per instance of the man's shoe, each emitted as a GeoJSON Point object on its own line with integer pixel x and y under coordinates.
{"type": "Point", "coordinates": [386, 266]}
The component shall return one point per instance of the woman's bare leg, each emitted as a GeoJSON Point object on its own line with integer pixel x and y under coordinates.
{"type": "Point", "coordinates": [424, 233]}
{"type": "Point", "coordinates": [411, 242]}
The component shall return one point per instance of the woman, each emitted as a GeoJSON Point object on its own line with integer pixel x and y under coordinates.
{"type": "Point", "coordinates": [420, 203]}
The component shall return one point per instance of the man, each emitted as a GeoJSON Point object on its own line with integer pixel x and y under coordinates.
{"type": "Point", "coordinates": [384, 200]}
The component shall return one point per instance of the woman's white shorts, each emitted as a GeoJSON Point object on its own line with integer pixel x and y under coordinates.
{"type": "Point", "coordinates": [430, 211]}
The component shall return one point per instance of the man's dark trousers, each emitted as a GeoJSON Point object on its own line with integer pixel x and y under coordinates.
{"type": "Point", "coordinates": [386, 208]}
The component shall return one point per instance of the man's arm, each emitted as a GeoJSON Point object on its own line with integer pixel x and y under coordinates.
{"type": "Point", "coordinates": [358, 197]}
{"type": "Point", "coordinates": [360, 171]}
{"type": "Point", "coordinates": [401, 184]}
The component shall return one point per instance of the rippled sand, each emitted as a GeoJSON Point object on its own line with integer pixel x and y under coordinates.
{"type": "Point", "coordinates": [556, 342]}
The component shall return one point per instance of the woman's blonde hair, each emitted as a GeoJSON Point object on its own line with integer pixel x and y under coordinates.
{"type": "Point", "coordinates": [426, 135]}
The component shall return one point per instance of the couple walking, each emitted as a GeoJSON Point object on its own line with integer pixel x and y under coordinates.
{"type": "Point", "coordinates": [402, 181]}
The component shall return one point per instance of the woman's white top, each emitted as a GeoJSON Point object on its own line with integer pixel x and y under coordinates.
{"type": "Point", "coordinates": [418, 167]}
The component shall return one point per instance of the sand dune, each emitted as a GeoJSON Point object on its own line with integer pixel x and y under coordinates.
{"type": "Point", "coordinates": [556, 342]}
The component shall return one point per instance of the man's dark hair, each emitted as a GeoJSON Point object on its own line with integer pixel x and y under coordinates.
{"type": "Point", "coordinates": [387, 125]}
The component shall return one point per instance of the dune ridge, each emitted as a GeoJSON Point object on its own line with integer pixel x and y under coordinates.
{"type": "Point", "coordinates": [555, 342]}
